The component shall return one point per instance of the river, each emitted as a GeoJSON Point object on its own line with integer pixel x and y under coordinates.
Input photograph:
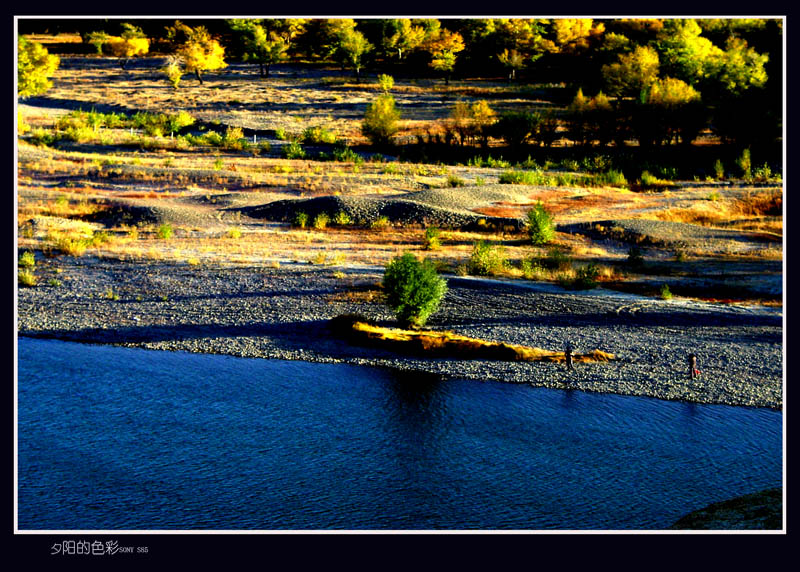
{"type": "Point", "coordinates": [113, 438]}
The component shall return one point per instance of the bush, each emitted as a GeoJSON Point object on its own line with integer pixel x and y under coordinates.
{"type": "Point", "coordinates": [27, 260]}
{"type": "Point", "coordinates": [486, 259]}
{"type": "Point", "coordinates": [294, 151]}
{"type": "Point", "coordinates": [165, 231]}
{"type": "Point", "coordinates": [586, 277]}
{"type": "Point", "coordinates": [453, 181]}
{"type": "Point", "coordinates": [413, 289]}
{"type": "Point", "coordinates": [342, 219]}
{"type": "Point", "coordinates": [664, 293]}
{"type": "Point", "coordinates": [386, 83]}
{"type": "Point", "coordinates": [541, 228]}
{"type": "Point", "coordinates": [380, 223]}
{"type": "Point", "coordinates": [26, 277]}
{"type": "Point", "coordinates": [380, 120]}
{"type": "Point", "coordinates": [431, 240]}
{"type": "Point", "coordinates": [300, 219]}
{"type": "Point", "coordinates": [321, 221]}
{"type": "Point", "coordinates": [316, 135]}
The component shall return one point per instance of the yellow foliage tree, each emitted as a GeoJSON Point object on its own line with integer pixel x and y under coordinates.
{"type": "Point", "coordinates": [127, 48]}
{"type": "Point", "coordinates": [34, 68]}
{"type": "Point", "coordinates": [200, 52]}
{"type": "Point", "coordinates": [633, 72]}
{"type": "Point", "coordinates": [575, 33]}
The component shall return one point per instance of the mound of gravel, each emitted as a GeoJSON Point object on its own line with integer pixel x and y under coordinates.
{"type": "Point", "coordinates": [666, 233]}
{"type": "Point", "coordinates": [366, 210]}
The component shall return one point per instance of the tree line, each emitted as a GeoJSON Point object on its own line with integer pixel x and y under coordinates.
{"type": "Point", "coordinates": [659, 81]}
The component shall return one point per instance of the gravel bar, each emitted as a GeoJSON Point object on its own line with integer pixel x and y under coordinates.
{"type": "Point", "coordinates": [282, 313]}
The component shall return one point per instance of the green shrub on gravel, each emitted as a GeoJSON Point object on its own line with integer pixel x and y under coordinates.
{"type": "Point", "coordinates": [486, 259]}
{"type": "Point", "coordinates": [413, 289]}
{"type": "Point", "coordinates": [541, 228]}
{"type": "Point", "coordinates": [26, 277]}
{"type": "Point", "coordinates": [380, 120]}
{"type": "Point", "coordinates": [27, 260]}
{"type": "Point", "coordinates": [317, 134]}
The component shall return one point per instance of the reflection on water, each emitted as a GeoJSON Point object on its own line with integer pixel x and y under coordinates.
{"type": "Point", "coordinates": [120, 438]}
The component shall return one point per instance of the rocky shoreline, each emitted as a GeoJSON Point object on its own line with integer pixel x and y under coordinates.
{"type": "Point", "coordinates": [282, 313]}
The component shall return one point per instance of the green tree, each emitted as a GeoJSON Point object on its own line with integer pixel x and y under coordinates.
{"type": "Point", "coordinates": [406, 38]}
{"type": "Point", "coordinates": [352, 48]}
{"type": "Point", "coordinates": [260, 45]}
{"type": "Point", "coordinates": [413, 289]}
{"type": "Point", "coordinates": [34, 68]}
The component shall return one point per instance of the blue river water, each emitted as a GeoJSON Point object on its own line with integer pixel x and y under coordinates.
{"type": "Point", "coordinates": [116, 438]}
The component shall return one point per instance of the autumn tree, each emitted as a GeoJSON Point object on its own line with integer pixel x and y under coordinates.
{"type": "Point", "coordinates": [198, 51]}
{"type": "Point", "coordinates": [35, 66]}
{"type": "Point", "coordinates": [632, 72]}
{"type": "Point", "coordinates": [131, 43]}
{"type": "Point", "coordinates": [443, 48]}
{"type": "Point", "coordinates": [406, 37]}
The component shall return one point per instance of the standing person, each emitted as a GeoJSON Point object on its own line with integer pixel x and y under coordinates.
{"type": "Point", "coordinates": [568, 357]}
{"type": "Point", "coordinates": [693, 371]}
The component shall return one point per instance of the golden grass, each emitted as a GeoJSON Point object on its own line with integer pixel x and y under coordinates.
{"type": "Point", "coordinates": [449, 344]}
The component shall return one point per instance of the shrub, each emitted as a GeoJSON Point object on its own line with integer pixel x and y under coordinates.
{"type": "Point", "coordinates": [233, 138]}
{"type": "Point", "coordinates": [635, 257]}
{"type": "Point", "coordinates": [380, 120]}
{"type": "Point", "coordinates": [26, 277]}
{"type": "Point", "coordinates": [664, 293]}
{"type": "Point", "coordinates": [719, 170]}
{"type": "Point", "coordinates": [342, 218]}
{"type": "Point", "coordinates": [234, 233]}
{"type": "Point", "coordinates": [345, 154]}
{"type": "Point", "coordinates": [386, 83]}
{"type": "Point", "coordinates": [380, 223]}
{"type": "Point", "coordinates": [294, 150]}
{"type": "Point", "coordinates": [413, 289]}
{"type": "Point", "coordinates": [300, 219]}
{"type": "Point", "coordinates": [541, 228]}
{"type": "Point", "coordinates": [486, 259]}
{"type": "Point", "coordinates": [745, 164]}
{"type": "Point", "coordinates": [165, 231]}
{"type": "Point", "coordinates": [280, 134]}
{"type": "Point", "coordinates": [453, 181]}
{"type": "Point", "coordinates": [431, 239]}
{"type": "Point", "coordinates": [586, 277]}
{"type": "Point", "coordinates": [27, 260]}
{"type": "Point", "coordinates": [317, 134]}
{"type": "Point", "coordinates": [321, 221]}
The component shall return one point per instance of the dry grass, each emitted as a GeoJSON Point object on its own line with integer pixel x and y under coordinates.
{"type": "Point", "coordinates": [449, 344]}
